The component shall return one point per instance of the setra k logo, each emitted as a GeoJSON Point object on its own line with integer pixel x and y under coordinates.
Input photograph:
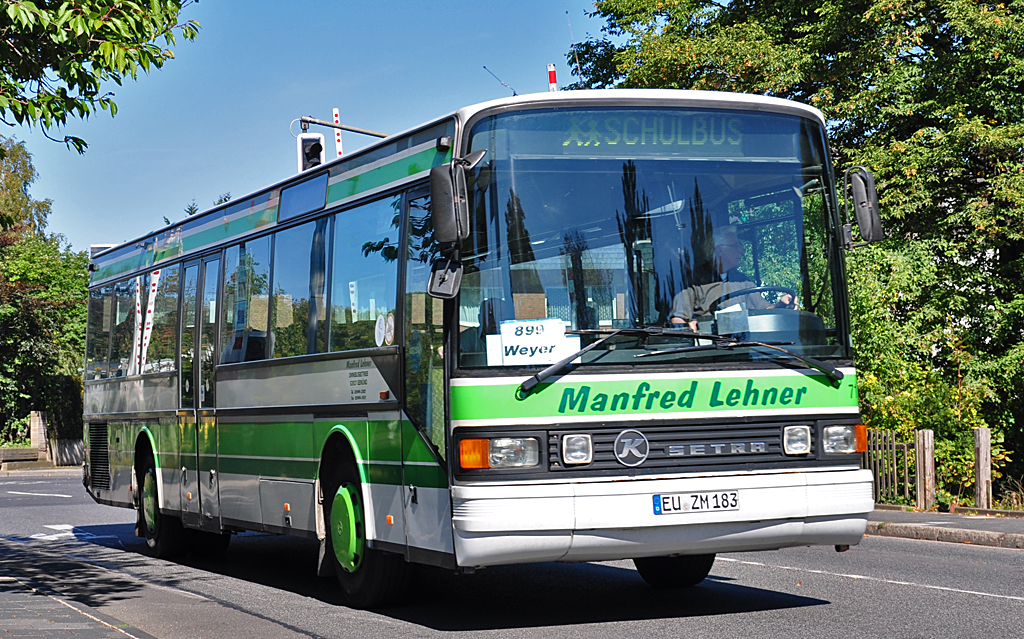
{"type": "Point", "coordinates": [631, 448]}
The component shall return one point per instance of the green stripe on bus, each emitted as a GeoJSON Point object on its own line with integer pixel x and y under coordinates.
{"type": "Point", "coordinates": [192, 242]}
{"type": "Point", "coordinates": [281, 439]}
{"type": "Point", "coordinates": [426, 476]}
{"type": "Point", "coordinates": [383, 473]}
{"type": "Point", "coordinates": [383, 175]}
{"type": "Point", "coordinates": [224, 232]}
{"type": "Point", "coordinates": [574, 395]}
{"type": "Point", "coordinates": [286, 469]}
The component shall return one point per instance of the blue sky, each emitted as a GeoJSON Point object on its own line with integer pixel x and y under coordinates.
{"type": "Point", "coordinates": [215, 119]}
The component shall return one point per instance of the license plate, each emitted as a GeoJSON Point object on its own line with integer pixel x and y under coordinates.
{"type": "Point", "coordinates": [695, 502]}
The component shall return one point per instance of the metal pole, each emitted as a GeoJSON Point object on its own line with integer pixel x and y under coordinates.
{"type": "Point", "coordinates": [344, 127]}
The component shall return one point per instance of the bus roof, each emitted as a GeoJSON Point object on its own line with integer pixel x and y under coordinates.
{"type": "Point", "coordinates": [399, 158]}
{"type": "Point", "coordinates": [669, 97]}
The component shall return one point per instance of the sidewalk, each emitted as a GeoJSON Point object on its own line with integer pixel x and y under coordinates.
{"type": "Point", "coordinates": [980, 530]}
{"type": "Point", "coordinates": [28, 611]}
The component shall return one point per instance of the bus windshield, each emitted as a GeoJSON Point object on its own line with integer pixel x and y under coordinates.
{"type": "Point", "coordinates": [711, 220]}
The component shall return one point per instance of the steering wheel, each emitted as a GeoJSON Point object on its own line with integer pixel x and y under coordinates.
{"type": "Point", "coordinates": [747, 291]}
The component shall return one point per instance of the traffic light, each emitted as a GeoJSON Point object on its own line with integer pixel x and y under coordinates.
{"type": "Point", "coordinates": [310, 148]}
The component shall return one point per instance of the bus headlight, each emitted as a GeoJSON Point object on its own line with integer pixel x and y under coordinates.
{"type": "Point", "coordinates": [499, 452]}
{"type": "Point", "coordinates": [796, 440]}
{"type": "Point", "coordinates": [847, 438]}
{"type": "Point", "coordinates": [577, 449]}
{"type": "Point", "coordinates": [514, 452]}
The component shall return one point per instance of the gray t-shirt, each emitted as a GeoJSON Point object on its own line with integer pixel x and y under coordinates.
{"type": "Point", "coordinates": [696, 301]}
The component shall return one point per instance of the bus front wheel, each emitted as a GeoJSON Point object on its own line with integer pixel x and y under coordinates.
{"type": "Point", "coordinates": [674, 572]}
{"type": "Point", "coordinates": [368, 577]}
{"type": "Point", "coordinates": [164, 534]}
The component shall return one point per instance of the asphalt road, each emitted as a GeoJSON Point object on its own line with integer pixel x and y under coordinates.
{"type": "Point", "coordinates": [52, 534]}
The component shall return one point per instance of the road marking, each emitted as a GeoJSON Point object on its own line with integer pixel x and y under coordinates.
{"type": "Point", "coordinates": [42, 537]}
{"type": "Point", "coordinates": [67, 530]}
{"type": "Point", "coordinates": [12, 492]}
{"type": "Point", "coordinates": [878, 579]}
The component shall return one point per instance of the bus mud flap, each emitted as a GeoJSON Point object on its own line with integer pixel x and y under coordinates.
{"type": "Point", "coordinates": [323, 562]}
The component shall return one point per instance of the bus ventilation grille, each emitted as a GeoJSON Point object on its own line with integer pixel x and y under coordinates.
{"type": "Point", "coordinates": [99, 457]}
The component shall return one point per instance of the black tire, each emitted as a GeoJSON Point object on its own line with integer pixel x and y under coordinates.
{"type": "Point", "coordinates": [209, 545]}
{"type": "Point", "coordinates": [380, 579]}
{"type": "Point", "coordinates": [164, 534]}
{"type": "Point", "coordinates": [674, 572]}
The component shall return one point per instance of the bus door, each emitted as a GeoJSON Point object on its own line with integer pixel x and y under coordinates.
{"type": "Point", "coordinates": [197, 421]}
{"type": "Point", "coordinates": [188, 480]}
{"type": "Point", "coordinates": [206, 417]}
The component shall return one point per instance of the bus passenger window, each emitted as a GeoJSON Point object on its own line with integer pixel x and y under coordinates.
{"type": "Point", "coordinates": [246, 286]}
{"type": "Point", "coordinates": [300, 275]}
{"type": "Point", "coordinates": [159, 339]}
{"type": "Point", "coordinates": [97, 350]}
{"type": "Point", "coordinates": [365, 274]}
{"type": "Point", "coordinates": [126, 318]}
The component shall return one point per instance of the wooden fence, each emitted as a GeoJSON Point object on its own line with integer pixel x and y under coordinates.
{"type": "Point", "coordinates": [893, 465]}
{"type": "Point", "coordinates": [904, 471]}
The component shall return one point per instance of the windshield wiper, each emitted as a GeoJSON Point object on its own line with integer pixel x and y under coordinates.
{"type": "Point", "coordinates": [830, 371]}
{"type": "Point", "coordinates": [557, 367]}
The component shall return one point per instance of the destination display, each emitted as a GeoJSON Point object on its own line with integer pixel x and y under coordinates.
{"type": "Point", "coordinates": [641, 133]}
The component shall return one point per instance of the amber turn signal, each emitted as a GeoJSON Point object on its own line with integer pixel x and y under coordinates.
{"type": "Point", "coordinates": [473, 453]}
{"type": "Point", "coordinates": [862, 438]}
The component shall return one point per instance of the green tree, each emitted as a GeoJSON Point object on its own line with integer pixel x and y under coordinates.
{"type": "Point", "coordinates": [928, 95]}
{"type": "Point", "coordinates": [43, 287]}
{"type": "Point", "coordinates": [58, 55]}
{"type": "Point", "coordinates": [16, 176]}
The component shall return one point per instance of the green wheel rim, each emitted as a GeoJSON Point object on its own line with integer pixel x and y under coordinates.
{"type": "Point", "coordinates": [347, 528]}
{"type": "Point", "coordinates": [149, 507]}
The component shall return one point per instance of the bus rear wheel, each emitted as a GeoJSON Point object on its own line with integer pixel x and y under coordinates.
{"type": "Point", "coordinates": [164, 534]}
{"type": "Point", "coordinates": [368, 577]}
{"type": "Point", "coordinates": [674, 572]}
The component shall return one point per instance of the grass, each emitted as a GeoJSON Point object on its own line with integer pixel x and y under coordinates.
{"type": "Point", "coordinates": [1011, 497]}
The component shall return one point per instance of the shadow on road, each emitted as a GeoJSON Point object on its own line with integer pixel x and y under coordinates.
{"type": "Point", "coordinates": [501, 597]}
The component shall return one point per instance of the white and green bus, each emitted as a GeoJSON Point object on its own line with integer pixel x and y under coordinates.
{"type": "Point", "coordinates": [571, 326]}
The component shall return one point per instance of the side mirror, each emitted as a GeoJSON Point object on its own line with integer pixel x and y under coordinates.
{"type": "Point", "coordinates": [449, 203]}
{"type": "Point", "coordinates": [861, 189]}
{"type": "Point", "coordinates": [445, 278]}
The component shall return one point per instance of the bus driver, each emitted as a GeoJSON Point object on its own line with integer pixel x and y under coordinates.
{"type": "Point", "coordinates": [703, 299]}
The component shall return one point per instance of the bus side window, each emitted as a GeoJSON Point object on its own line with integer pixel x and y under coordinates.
{"type": "Point", "coordinates": [244, 330]}
{"type": "Point", "coordinates": [124, 346]}
{"type": "Point", "coordinates": [300, 275]}
{"type": "Point", "coordinates": [98, 333]}
{"type": "Point", "coordinates": [424, 332]}
{"type": "Point", "coordinates": [160, 337]}
{"type": "Point", "coordinates": [365, 275]}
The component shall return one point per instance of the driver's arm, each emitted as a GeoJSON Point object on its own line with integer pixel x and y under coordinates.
{"type": "Point", "coordinates": [682, 310]}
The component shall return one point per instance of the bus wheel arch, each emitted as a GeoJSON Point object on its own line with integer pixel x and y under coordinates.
{"type": "Point", "coordinates": [164, 534]}
{"type": "Point", "coordinates": [368, 577]}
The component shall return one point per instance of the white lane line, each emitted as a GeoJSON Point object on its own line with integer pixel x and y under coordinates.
{"type": "Point", "coordinates": [878, 579]}
{"type": "Point", "coordinates": [14, 492]}
{"type": "Point", "coordinates": [59, 527]}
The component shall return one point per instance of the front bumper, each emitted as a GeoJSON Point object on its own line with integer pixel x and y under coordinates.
{"type": "Point", "coordinates": [605, 520]}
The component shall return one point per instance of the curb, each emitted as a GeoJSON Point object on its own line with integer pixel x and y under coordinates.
{"type": "Point", "coordinates": [40, 470]}
{"type": "Point", "coordinates": [960, 510]}
{"type": "Point", "coordinates": [951, 535]}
